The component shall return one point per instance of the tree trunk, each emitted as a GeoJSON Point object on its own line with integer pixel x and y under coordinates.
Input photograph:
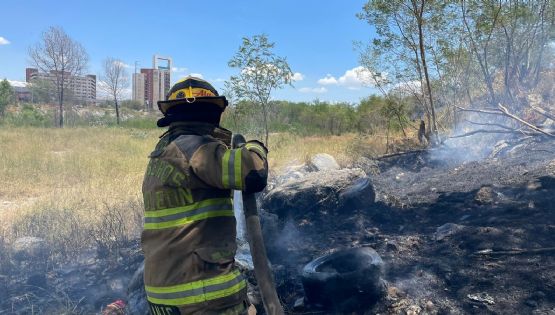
{"type": "Point", "coordinates": [62, 102]}
{"type": "Point", "coordinates": [117, 110]}
{"type": "Point", "coordinates": [265, 110]}
{"type": "Point", "coordinates": [424, 65]}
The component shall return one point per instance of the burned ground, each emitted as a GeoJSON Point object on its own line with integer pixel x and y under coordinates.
{"type": "Point", "coordinates": [456, 237]}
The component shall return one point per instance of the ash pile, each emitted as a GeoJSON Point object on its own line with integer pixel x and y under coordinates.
{"type": "Point", "coordinates": [455, 234]}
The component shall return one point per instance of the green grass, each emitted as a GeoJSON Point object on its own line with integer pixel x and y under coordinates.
{"type": "Point", "coordinates": [77, 187]}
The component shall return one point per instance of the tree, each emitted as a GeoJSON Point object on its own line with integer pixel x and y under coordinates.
{"type": "Point", "coordinates": [42, 91]}
{"type": "Point", "coordinates": [6, 95]}
{"type": "Point", "coordinates": [417, 33]}
{"type": "Point", "coordinates": [60, 56]}
{"type": "Point", "coordinates": [261, 72]}
{"type": "Point", "coordinates": [114, 80]}
{"type": "Point", "coordinates": [508, 40]}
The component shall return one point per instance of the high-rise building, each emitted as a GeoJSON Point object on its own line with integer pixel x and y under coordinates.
{"type": "Point", "coordinates": [82, 88]}
{"type": "Point", "coordinates": [139, 87]}
{"type": "Point", "coordinates": [153, 83]}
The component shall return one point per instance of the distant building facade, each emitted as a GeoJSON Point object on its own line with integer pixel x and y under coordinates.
{"type": "Point", "coordinates": [21, 91]}
{"type": "Point", "coordinates": [83, 88]}
{"type": "Point", "coordinates": [139, 87]}
{"type": "Point", "coordinates": [152, 84]}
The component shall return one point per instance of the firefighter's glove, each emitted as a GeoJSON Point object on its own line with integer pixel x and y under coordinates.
{"type": "Point", "coordinates": [257, 147]}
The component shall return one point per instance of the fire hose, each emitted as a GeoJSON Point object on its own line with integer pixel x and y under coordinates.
{"type": "Point", "coordinates": [262, 270]}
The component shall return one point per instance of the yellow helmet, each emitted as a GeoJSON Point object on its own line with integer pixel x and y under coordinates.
{"type": "Point", "coordinates": [189, 91]}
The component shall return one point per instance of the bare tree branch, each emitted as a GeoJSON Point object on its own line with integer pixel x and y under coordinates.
{"type": "Point", "coordinates": [482, 131]}
{"type": "Point", "coordinates": [114, 81]}
{"type": "Point", "coordinates": [58, 55]}
{"type": "Point", "coordinates": [522, 121]}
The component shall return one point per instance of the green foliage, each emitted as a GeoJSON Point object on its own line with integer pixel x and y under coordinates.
{"type": "Point", "coordinates": [42, 91]}
{"type": "Point", "coordinates": [132, 104]}
{"type": "Point", "coordinates": [261, 72]}
{"type": "Point", "coordinates": [30, 116]}
{"type": "Point", "coordinates": [6, 95]}
{"type": "Point", "coordinates": [147, 122]}
{"type": "Point", "coordinates": [322, 118]}
{"type": "Point", "coordinates": [460, 53]}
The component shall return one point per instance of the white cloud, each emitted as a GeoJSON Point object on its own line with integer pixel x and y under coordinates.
{"type": "Point", "coordinates": [4, 41]}
{"type": "Point", "coordinates": [356, 78]}
{"type": "Point", "coordinates": [198, 75]}
{"type": "Point", "coordinates": [179, 69]}
{"type": "Point", "coordinates": [14, 83]}
{"type": "Point", "coordinates": [318, 90]}
{"type": "Point", "coordinates": [123, 64]}
{"type": "Point", "coordinates": [352, 79]}
{"type": "Point", "coordinates": [328, 80]}
{"type": "Point", "coordinates": [297, 76]}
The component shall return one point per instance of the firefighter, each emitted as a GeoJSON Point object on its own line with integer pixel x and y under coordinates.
{"type": "Point", "coordinates": [189, 227]}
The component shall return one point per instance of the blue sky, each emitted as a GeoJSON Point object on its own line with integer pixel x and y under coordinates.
{"type": "Point", "coordinates": [316, 37]}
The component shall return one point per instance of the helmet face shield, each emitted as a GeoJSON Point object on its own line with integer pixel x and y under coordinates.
{"type": "Point", "coordinates": [164, 106]}
{"type": "Point", "coordinates": [191, 90]}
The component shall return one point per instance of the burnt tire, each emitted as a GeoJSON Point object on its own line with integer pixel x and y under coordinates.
{"type": "Point", "coordinates": [359, 195]}
{"type": "Point", "coordinates": [344, 281]}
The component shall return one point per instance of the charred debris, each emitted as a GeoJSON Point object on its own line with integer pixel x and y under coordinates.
{"type": "Point", "coordinates": [463, 228]}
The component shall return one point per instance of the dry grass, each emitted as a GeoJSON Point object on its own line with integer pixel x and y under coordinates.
{"type": "Point", "coordinates": [81, 186]}
{"type": "Point", "coordinates": [62, 184]}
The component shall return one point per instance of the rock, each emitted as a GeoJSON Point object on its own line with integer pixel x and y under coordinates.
{"type": "Point", "coordinates": [323, 162]}
{"type": "Point", "coordinates": [30, 248]}
{"type": "Point", "coordinates": [446, 230]}
{"type": "Point", "coordinates": [315, 194]}
{"type": "Point", "coordinates": [414, 310]}
{"type": "Point", "coordinates": [429, 306]}
{"type": "Point", "coordinates": [290, 173]}
{"type": "Point", "coordinates": [482, 297]}
{"type": "Point", "coordinates": [484, 195]}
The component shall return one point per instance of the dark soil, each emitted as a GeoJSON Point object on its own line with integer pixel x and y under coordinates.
{"type": "Point", "coordinates": [495, 257]}
{"type": "Point", "coordinates": [456, 238]}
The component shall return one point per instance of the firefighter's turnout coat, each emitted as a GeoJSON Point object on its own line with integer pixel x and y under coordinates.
{"type": "Point", "coordinates": [189, 227]}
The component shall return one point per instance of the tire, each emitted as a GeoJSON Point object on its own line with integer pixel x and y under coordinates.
{"type": "Point", "coordinates": [359, 195]}
{"type": "Point", "coordinates": [344, 281]}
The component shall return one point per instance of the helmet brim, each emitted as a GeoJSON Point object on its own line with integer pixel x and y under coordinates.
{"type": "Point", "coordinates": [220, 101]}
